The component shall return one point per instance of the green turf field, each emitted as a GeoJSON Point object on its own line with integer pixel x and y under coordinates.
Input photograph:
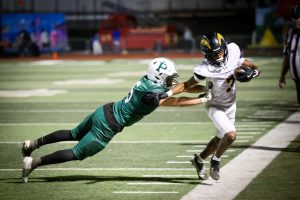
{"type": "Point", "coordinates": [149, 160]}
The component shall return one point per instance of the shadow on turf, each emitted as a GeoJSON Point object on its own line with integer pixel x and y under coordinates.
{"type": "Point", "coordinates": [288, 149]}
{"type": "Point", "coordinates": [97, 179]}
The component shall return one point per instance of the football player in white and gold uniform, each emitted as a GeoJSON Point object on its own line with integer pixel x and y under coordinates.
{"type": "Point", "coordinates": [221, 59]}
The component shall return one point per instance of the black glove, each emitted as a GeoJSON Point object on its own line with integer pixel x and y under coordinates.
{"type": "Point", "coordinates": [152, 98]}
{"type": "Point", "coordinates": [202, 95]}
{"type": "Point", "coordinates": [246, 77]}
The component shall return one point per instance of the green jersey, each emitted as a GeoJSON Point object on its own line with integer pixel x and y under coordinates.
{"type": "Point", "coordinates": [131, 109]}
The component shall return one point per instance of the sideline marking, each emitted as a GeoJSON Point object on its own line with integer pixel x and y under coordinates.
{"type": "Point", "coordinates": [249, 163]}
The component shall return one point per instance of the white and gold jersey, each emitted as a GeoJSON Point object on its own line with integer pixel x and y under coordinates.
{"type": "Point", "coordinates": [224, 89]}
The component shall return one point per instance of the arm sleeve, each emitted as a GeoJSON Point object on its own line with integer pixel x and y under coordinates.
{"type": "Point", "coordinates": [286, 43]}
{"type": "Point", "coordinates": [198, 77]}
{"type": "Point", "coordinates": [151, 98]}
{"type": "Point", "coordinates": [197, 73]}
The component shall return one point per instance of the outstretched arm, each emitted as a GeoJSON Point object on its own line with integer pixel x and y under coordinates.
{"type": "Point", "coordinates": [197, 89]}
{"type": "Point", "coordinates": [184, 86]}
{"type": "Point", "coordinates": [180, 101]}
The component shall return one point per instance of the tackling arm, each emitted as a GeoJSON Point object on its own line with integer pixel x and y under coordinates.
{"type": "Point", "coordinates": [196, 89]}
{"type": "Point", "coordinates": [180, 101]}
{"type": "Point", "coordinates": [184, 86]}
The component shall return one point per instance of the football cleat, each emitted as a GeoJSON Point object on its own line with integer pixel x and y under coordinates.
{"type": "Point", "coordinates": [200, 168]}
{"type": "Point", "coordinates": [27, 168]}
{"type": "Point", "coordinates": [214, 169]}
{"type": "Point", "coordinates": [27, 148]}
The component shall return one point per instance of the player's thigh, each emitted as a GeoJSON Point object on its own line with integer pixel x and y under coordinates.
{"type": "Point", "coordinates": [230, 112]}
{"type": "Point", "coordinates": [221, 121]}
{"type": "Point", "coordinates": [82, 128]}
{"type": "Point", "coordinates": [88, 146]}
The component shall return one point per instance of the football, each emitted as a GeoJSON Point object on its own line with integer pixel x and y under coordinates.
{"type": "Point", "coordinates": [243, 74]}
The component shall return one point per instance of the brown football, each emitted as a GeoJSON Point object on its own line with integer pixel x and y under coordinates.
{"type": "Point", "coordinates": [243, 73]}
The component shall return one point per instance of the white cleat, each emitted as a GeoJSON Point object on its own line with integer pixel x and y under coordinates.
{"type": "Point", "coordinates": [27, 168]}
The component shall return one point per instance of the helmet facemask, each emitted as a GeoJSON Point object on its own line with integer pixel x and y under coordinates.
{"type": "Point", "coordinates": [170, 81]}
{"type": "Point", "coordinates": [216, 59]}
{"type": "Point", "coordinates": [162, 71]}
{"type": "Point", "coordinates": [211, 45]}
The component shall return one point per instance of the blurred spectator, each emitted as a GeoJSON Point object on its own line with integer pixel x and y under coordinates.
{"type": "Point", "coordinates": [54, 38]}
{"type": "Point", "coordinates": [188, 37]}
{"type": "Point", "coordinates": [291, 50]}
{"type": "Point", "coordinates": [116, 35]}
{"type": "Point", "coordinates": [44, 38]}
{"type": "Point", "coordinates": [96, 45]}
{"type": "Point", "coordinates": [23, 41]}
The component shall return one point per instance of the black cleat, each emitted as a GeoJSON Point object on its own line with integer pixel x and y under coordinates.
{"type": "Point", "coordinates": [215, 169]}
{"type": "Point", "coordinates": [27, 148]}
{"type": "Point", "coordinates": [200, 168]}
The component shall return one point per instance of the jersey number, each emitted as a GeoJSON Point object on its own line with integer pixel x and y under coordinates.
{"type": "Point", "coordinates": [127, 99]}
{"type": "Point", "coordinates": [230, 80]}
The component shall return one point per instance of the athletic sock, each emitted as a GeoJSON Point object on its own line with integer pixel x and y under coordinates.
{"type": "Point", "coordinates": [200, 159]}
{"type": "Point", "coordinates": [58, 157]}
{"type": "Point", "coordinates": [35, 163]}
{"type": "Point", "coordinates": [33, 144]}
{"type": "Point", "coordinates": [216, 158]}
{"type": "Point", "coordinates": [57, 136]}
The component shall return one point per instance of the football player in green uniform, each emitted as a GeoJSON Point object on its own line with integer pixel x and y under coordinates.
{"type": "Point", "coordinates": [98, 128]}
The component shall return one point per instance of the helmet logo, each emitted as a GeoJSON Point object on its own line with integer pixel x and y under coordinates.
{"type": "Point", "coordinates": [162, 65]}
{"type": "Point", "coordinates": [204, 42]}
{"type": "Point", "coordinates": [219, 36]}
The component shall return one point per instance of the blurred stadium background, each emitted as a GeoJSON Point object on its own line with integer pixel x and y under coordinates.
{"type": "Point", "coordinates": [60, 59]}
{"type": "Point", "coordinates": [122, 26]}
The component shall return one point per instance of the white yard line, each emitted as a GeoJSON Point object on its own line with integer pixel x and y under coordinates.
{"type": "Point", "coordinates": [170, 175]}
{"type": "Point", "coordinates": [240, 126]}
{"type": "Point", "coordinates": [197, 150]}
{"type": "Point", "coordinates": [131, 142]}
{"type": "Point", "coordinates": [178, 162]}
{"type": "Point", "coordinates": [241, 170]}
{"type": "Point", "coordinates": [249, 133]}
{"type": "Point", "coordinates": [137, 124]}
{"type": "Point", "coordinates": [103, 169]}
{"type": "Point", "coordinates": [250, 128]}
{"type": "Point", "coordinates": [145, 192]}
{"type": "Point", "coordinates": [151, 183]}
{"type": "Point", "coordinates": [191, 156]}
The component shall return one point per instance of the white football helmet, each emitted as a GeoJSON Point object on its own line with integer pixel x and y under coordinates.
{"type": "Point", "coordinates": [162, 71]}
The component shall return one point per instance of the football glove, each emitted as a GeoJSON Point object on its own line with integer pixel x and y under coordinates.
{"type": "Point", "coordinates": [244, 74]}
{"type": "Point", "coordinates": [205, 97]}
{"type": "Point", "coordinates": [256, 72]}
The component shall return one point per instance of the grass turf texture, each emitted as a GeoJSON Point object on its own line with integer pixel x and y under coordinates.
{"type": "Point", "coordinates": [138, 155]}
